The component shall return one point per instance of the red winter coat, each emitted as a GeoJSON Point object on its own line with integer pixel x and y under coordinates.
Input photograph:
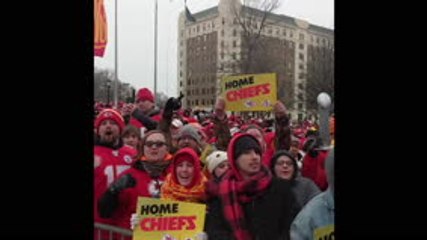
{"type": "Point", "coordinates": [314, 168]}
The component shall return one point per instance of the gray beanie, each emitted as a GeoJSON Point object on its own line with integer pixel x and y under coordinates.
{"type": "Point", "coordinates": [189, 131]}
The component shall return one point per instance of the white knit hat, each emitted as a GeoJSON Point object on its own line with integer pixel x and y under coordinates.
{"type": "Point", "coordinates": [215, 159]}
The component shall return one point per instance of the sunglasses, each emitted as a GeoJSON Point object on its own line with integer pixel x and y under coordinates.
{"type": "Point", "coordinates": [154, 144]}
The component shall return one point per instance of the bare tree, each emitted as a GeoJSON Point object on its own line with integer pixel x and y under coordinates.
{"type": "Point", "coordinates": [252, 17]}
{"type": "Point", "coordinates": [104, 86]}
{"type": "Point", "coordinates": [103, 79]}
{"type": "Point", "coordinates": [320, 74]}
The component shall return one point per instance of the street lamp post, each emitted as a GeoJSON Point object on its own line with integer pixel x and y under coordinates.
{"type": "Point", "coordinates": [108, 92]}
{"type": "Point", "coordinates": [324, 102]}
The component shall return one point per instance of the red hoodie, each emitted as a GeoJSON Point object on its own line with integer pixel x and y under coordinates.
{"type": "Point", "coordinates": [314, 168]}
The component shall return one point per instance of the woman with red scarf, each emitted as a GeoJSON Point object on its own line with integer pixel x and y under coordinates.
{"type": "Point", "coordinates": [249, 203]}
{"type": "Point", "coordinates": [186, 181]}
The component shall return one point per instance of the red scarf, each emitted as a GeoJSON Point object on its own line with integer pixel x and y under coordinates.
{"type": "Point", "coordinates": [174, 191]}
{"type": "Point", "coordinates": [233, 193]}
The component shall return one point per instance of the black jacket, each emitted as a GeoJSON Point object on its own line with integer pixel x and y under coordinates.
{"type": "Point", "coordinates": [268, 216]}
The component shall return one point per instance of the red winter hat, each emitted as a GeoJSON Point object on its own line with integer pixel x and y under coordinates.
{"type": "Point", "coordinates": [144, 94]}
{"type": "Point", "coordinates": [110, 114]}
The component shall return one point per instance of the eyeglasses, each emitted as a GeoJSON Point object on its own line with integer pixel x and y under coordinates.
{"type": "Point", "coordinates": [154, 144]}
{"type": "Point", "coordinates": [288, 163]}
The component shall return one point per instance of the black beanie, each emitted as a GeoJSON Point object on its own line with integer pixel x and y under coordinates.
{"type": "Point", "coordinates": [287, 154]}
{"type": "Point", "coordinates": [244, 144]}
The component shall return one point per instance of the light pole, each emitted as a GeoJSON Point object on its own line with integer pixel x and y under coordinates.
{"type": "Point", "coordinates": [155, 49]}
{"type": "Point", "coordinates": [324, 102]}
{"type": "Point", "coordinates": [108, 91]}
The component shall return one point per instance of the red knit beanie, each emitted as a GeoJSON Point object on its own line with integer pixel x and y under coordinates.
{"type": "Point", "coordinates": [144, 94]}
{"type": "Point", "coordinates": [110, 114]}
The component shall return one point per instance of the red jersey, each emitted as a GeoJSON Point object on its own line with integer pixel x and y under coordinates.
{"type": "Point", "coordinates": [109, 163]}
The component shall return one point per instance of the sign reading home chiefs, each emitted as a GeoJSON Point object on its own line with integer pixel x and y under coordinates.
{"type": "Point", "coordinates": [168, 220]}
{"type": "Point", "coordinates": [254, 92]}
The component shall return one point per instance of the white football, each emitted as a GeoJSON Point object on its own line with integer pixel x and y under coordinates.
{"type": "Point", "coordinates": [324, 100]}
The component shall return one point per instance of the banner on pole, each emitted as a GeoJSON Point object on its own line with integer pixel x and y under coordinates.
{"type": "Point", "coordinates": [100, 36]}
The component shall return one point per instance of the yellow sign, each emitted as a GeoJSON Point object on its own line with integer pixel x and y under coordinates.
{"type": "Point", "coordinates": [253, 92]}
{"type": "Point", "coordinates": [168, 220]}
{"type": "Point", "coordinates": [325, 233]}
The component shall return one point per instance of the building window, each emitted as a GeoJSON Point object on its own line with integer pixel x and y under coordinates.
{"type": "Point", "coordinates": [222, 44]}
{"type": "Point", "coordinates": [204, 26]}
{"type": "Point", "coordinates": [277, 31]}
{"type": "Point", "coordinates": [234, 32]}
{"type": "Point", "coordinates": [180, 73]}
{"type": "Point", "coordinates": [300, 86]}
{"type": "Point", "coordinates": [301, 46]}
{"type": "Point", "coordinates": [198, 28]}
{"type": "Point", "coordinates": [197, 101]}
{"type": "Point", "coordinates": [222, 33]}
{"type": "Point", "coordinates": [188, 82]}
{"type": "Point", "coordinates": [234, 44]}
{"type": "Point", "coordinates": [292, 44]}
{"type": "Point", "coordinates": [234, 56]}
{"type": "Point", "coordinates": [188, 102]}
{"type": "Point", "coordinates": [301, 76]}
{"type": "Point", "coordinates": [180, 83]}
{"type": "Point", "coordinates": [180, 63]}
{"type": "Point", "coordinates": [301, 36]}
{"type": "Point", "coordinates": [222, 55]}
{"type": "Point", "coordinates": [301, 66]}
{"type": "Point", "coordinates": [223, 21]}
{"type": "Point", "coordinates": [182, 33]}
{"type": "Point", "coordinates": [284, 32]}
{"type": "Point", "coordinates": [300, 106]}
{"type": "Point", "coordinates": [312, 39]}
{"type": "Point", "coordinates": [292, 34]}
{"type": "Point", "coordinates": [301, 56]}
{"type": "Point", "coordinates": [270, 31]}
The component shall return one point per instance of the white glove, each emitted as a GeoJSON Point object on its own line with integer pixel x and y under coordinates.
{"type": "Point", "coordinates": [134, 220]}
{"type": "Point", "coordinates": [201, 236]}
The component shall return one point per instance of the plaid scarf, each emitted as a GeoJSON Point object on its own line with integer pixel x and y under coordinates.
{"type": "Point", "coordinates": [174, 191]}
{"type": "Point", "coordinates": [233, 193]}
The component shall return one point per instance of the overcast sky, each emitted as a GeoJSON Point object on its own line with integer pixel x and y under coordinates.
{"type": "Point", "coordinates": [136, 36]}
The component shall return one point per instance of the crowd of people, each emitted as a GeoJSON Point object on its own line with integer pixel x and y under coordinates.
{"type": "Point", "coordinates": [259, 178]}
